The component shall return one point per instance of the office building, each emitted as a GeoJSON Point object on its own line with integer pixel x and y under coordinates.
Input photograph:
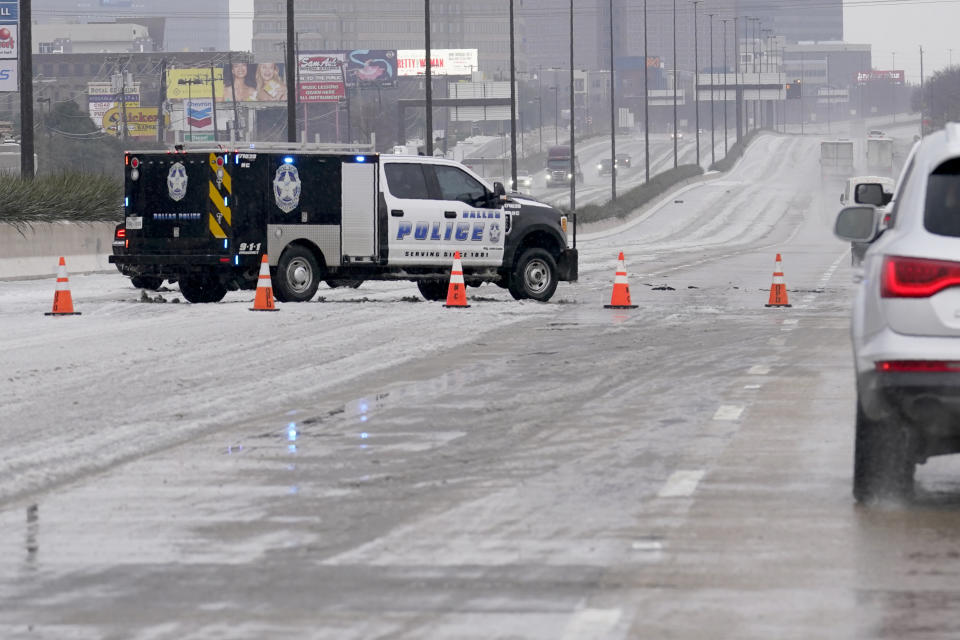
{"type": "Point", "coordinates": [173, 25]}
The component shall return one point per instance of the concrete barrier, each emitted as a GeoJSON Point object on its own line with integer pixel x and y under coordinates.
{"type": "Point", "coordinates": [33, 251]}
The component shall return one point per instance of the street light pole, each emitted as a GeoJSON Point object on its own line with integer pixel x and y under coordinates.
{"type": "Point", "coordinates": [573, 138]}
{"type": "Point", "coordinates": [696, 77]}
{"type": "Point", "coordinates": [646, 97]}
{"type": "Point", "coordinates": [513, 106]}
{"type": "Point", "coordinates": [613, 115]}
{"type": "Point", "coordinates": [429, 79]}
{"type": "Point", "coordinates": [713, 130]}
{"type": "Point", "coordinates": [676, 157]}
{"type": "Point", "coordinates": [540, 103]}
{"type": "Point", "coordinates": [726, 69]}
{"type": "Point", "coordinates": [291, 78]}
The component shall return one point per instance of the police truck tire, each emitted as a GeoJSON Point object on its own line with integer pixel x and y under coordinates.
{"type": "Point", "coordinates": [146, 282]}
{"type": "Point", "coordinates": [298, 275]}
{"type": "Point", "coordinates": [433, 290]}
{"type": "Point", "coordinates": [352, 284]}
{"type": "Point", "coordinates": [202, 289]}
{"type": "Point", "coordinates": [535, 276]}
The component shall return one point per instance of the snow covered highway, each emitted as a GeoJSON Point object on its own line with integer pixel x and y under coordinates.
{"type": "Point", "coordinates": [371, 465]}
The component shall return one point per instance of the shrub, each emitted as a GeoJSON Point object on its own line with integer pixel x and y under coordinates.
{"type": "Point", "coordinates": [71, 197]}
{"type": "Point", "coordinates": [735, 152]}
{"type": "Point", "coordinates": [635, 198]}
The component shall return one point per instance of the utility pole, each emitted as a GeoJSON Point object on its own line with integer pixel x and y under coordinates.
{"type": "Point", "coordinates": [736, 74]}
{"type": "Point", "coordinates": [676, 157]}
{"type": "Point", "coordinates": [233, 90]}
{"type": "Point", "coordinates": [893, 85]}
{"type": "Point", "coordinates": [429, 79]}
{"type": "Point", "coordinates": [613, 114]}
{"type": "Point", "coordinates": [573, 137]}
{"type": "Point", "coordinates": [696, 77]}
{"type": "Point", "coordinates": [123, 100]}
{"type": "Point", "coordinates": [513, 107]}
{"type": "Point", "coordinates": [213, 102]}
{"type": "Point", "coordinates": [540, 103]}
{"type": "Point", "coordinates": [163, 97]}
{"type": "Point", "coordinates": [26, 91]}
{"type": "Point", "coordinates": [713, 130]}
{"type": "Point", "coordinates": [803, 81]}
{"type": "Point", "coordinates": [291, 81]}
{"type": "Point", "coordinates": [646, 97]}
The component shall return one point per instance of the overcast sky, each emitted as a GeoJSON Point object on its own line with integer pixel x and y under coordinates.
{"type": "Point", "coordinates": [900, 28]}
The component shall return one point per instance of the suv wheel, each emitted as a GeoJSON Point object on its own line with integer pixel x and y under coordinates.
{"type": "Point", "coordinates": [535, 276]}
{"type": "Point", "coordinates": [883, 462]}
{"type": "Point", "coordinates": [298, 275]}
{"type": "Point", "coordinates": [433, 290]}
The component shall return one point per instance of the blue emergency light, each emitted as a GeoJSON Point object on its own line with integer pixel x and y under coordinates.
{"type": "Point", "coordinates": [288, 160]}
{"type": "Point", "coordinates": [361, 158]}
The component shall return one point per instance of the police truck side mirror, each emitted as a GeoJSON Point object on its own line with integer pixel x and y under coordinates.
{"type": "Point", "coordinates": [498, 190]}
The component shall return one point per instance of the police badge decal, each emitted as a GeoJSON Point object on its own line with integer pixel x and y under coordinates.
{"type": "Point", "coordinates": [177, 181]}
{"type": "Point", "coordinates": [286, 187]}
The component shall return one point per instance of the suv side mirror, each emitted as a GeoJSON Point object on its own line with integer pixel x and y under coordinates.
{"type": "Point", "coordinates": [856, 224]}
{"type": "Point", "coordinates": [869, 193]}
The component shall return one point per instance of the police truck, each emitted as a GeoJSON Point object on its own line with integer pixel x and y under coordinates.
{"type": "Point", "coordinates": [204, 218]}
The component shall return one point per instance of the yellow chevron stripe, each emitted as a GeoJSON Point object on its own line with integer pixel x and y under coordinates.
{"type": "Point", "coordinates": [227, 182]}
{"type": "Point", "coordinates": [217, 201]}
{"type": "Point", "coordinates": [216, 229]}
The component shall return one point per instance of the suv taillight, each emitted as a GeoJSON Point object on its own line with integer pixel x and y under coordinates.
{"type": "Point", "coordinates": [917, 277]}
{"type": "Point", "coordinates": [918, 366]}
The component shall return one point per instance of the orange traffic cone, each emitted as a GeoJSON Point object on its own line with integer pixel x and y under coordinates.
{"type": "Point", "coordinates": [457, 291]}
{"type": "Point", "coordinates": [778, 290]}
{"type": "Point", "coordinates": [264, 299]}
{"type": "Point", "coordinates": [621, 290]}
{"type": "Point", "coordinates": [62, 301]}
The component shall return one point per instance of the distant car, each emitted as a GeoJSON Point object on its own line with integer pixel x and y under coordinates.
{"type": "Point", "coordinates": [904, 329]}
{"type": "Point", "coordinates": [524, 179]}
{"type": "Point", "coordinates": [603, 167]}
{"type": "Point", "coordinates": [623, 160]}
{"type": "Point", "coordinates": [876, 133]}
{"type": "Point", "coordinates": [676, 135]}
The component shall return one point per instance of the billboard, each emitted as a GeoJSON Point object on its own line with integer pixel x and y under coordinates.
{"type": "Point", "coordinates": [443, 62]}
{"type": "Point", "coordinates": [101, 98]}
{"type": "Point", "coordinates": [247, 82]}
{"type": "Point", "coordinates": [9, 12]}
{"type": "Point", "coordinates": [874, 75]}
{"type": "Point", "coordinates": [183, 84]}
{"type": "Point", "coordinates": [321, 77]}
{"type": "Point", "coordinates": [368, 67]}
{"type": "Point", "coordinates": [9, 41]}
{"type": "Point", "coordinates": [8, 76]}
{"type": "Point", "coordinates": [141, 121]}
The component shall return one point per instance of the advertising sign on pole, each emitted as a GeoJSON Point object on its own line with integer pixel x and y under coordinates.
{"type": "Point", "coordinates": [183, 83]}
{"type": "Point", "coordinates": [9, 80]}
{"type": "Point", "coordinates": [369, 67]}
{"type": "Point", "coordinates": [875, 75]}
{"type": "Point", "coordinates": [9, 42]}
{"type": "Point", "coordinates": [321, 77]}
{"type": "Point", "coordinates": [264, 82]}
{"type": "Point", "coordinates": [9, 12]}
{"type": "Point", "coordinates": [444, 62]}
{"type": "Point", "coordinates": [101, 98]}
{"type": "Point", "coordinates": [141, 121]}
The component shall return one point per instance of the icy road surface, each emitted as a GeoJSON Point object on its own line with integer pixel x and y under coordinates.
{"type": "Point", "coordinates": [373, 466]}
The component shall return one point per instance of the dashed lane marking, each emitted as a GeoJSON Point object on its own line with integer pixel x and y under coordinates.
{"type": "Point", "coordinates": [776, 342]}
{"type": "Point", "coordinates": [758, 370]}
{"type": "Point", "coordinates": [752, 387]}
{"type": "Point", "coordinates": [728, 412]}
{"type": "Point", "coordinates": [681, 484]}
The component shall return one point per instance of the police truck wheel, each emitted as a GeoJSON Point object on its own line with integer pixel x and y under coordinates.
{"type": "Point", "coordinates": [146, 282]}
{"type": "Point", "coordinates": [535, 275]}
{"type": "Point", "coordinates": [433, 290]}
{"type": "Point", "coordinates": [202, 289]}
{"type": "Point", "coordinates": [298, 275]}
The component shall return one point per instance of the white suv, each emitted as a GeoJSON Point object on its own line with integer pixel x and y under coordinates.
{"type": "Point", "coordinates": [906, 321]}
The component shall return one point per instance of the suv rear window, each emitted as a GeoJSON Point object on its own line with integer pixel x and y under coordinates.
{"type": "Point", "coordinates": [942, 210]}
